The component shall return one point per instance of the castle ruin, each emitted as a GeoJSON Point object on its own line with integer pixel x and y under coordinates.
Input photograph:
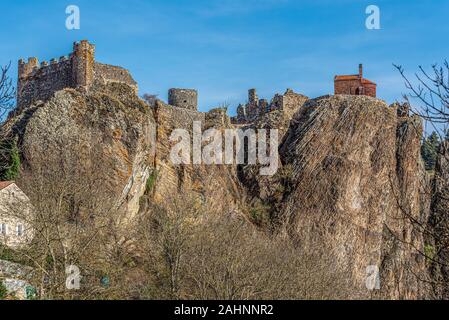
{"type": "Point", "coordinates": [39, 81]}
{"type": "Point", "coordinates": [256, 107]}
{"type": "Point", "coordinates": [183, 98]}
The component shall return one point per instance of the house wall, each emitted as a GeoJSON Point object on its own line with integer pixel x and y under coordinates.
{"type": "Point", "coordinates": [351, 86]}
{"type": "Point", "coordinates": [15, 209]}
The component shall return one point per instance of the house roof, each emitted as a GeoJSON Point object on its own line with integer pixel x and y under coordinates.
{"type": "Point", "coordinates": [4, 184]}
{"type": "Point", "coordinates": [353, 77]}
{"type": "Point", "coordinates": [347, 77]}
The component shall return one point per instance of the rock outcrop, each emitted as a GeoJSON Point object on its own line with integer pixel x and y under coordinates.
{"type": "Point", "coordinates": [355, 188]}
{"type": "Point", "coordinates": [351, 178]}
{"type": "Point", "coordinates": [439, 225]}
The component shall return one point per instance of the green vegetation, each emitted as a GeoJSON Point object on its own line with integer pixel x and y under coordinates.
{"type": "Point", "coordinates": [429, 252]}
{"type": "Point", "coordinates": [6, 253]}
{"type": "Point", "coordinates": [3, 291]}
{"type": "Point", "coordinates": [11, 255]}
{"type": "Point", "coordinates": [429, 150]}
{"type": "Point", "coordinates": [151, 182]}
{"type": "Point", "coordinates": [260, 214]}
{"type": "Point", "coordinates": [10, 169]}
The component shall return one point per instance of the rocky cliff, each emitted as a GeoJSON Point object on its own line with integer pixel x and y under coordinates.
{"type": "Point", "coordinates": [439, 225]}
{"type": "Point", "coordinates": [355, 188]}
{"type": "Point", "coordinates": [351, 177]}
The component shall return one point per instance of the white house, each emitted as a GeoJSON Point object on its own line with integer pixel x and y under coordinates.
{"type": "Point", "coordinates": [15, 216]}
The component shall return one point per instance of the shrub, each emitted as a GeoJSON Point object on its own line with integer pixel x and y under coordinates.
{"type": "Point", "coordinates": [151, 182]}
{"type": "Point", "coordinates": [11, 169]}
{"type": "Point", "coordinates": [429, 252]}
{"type": "Point", "coordinates": [3, 291]}
{"type": "Point", "coordinates": [259, 214]}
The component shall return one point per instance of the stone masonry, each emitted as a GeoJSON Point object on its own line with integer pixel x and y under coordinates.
{"type": "Point", "coordinates": [256, 107]}
{"type": "Point", "coordinates": [39, 81]}
{"type": "Point", "coordinates": [183, 98]}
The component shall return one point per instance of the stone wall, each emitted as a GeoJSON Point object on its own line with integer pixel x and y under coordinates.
{"type": "Point", "coordinates": [83, 61]}
{"type": "Point", "coordinates": [170, 118]}
{"type": "Point", "coordinates": [15, 211]}
{"type": "Point", "coordinates": [40, 81]}
{"type": "Point", "coordinates": [183, 98]}
{"type": "Point", "coordinates": [105, 73]}
{"type": "Point", "coordinates": [217, 118]}
{"type": "Point", "coordinates": [255, 108]}
{"type": "Point", "coordinates": [355, 87]}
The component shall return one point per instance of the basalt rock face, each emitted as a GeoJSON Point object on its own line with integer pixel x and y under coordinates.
{"type": "Point", "coordinates": [109, 138]}
{"type": "Point", "coordinates": [355, 184]}
{"type": "Point", "coordinates": [439, 224]}
{"type": "Point", "coordinates": [350, 176]}
{"type": "Point", "coordinates": [100, 137]}
{"type": "Point", "coordinates": [215, 186]}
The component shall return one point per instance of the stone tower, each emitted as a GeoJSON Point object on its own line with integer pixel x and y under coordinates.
{"type": "Point", "coordinates": [24, 70]}
{"type": "Point", "coordinates": [253, 99]}
{"type": "Point", "coordinates": [183, 98]}
{"type": "Point", "coordinates": [83, 64]}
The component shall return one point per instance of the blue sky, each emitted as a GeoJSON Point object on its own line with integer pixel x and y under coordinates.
{"type": "Point", "coordinates": [223, 48]}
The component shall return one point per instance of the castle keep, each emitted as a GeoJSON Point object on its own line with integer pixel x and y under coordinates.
{"type": "Point", "coordinates": [39, 81]}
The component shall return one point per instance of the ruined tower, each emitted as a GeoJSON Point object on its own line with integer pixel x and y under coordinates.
{"type": "Point", "coordinates": [253, 99]}
{"type": "Point", "coordinates": [183, 98]}
{"type": "Point", "coordinates": [83, 64]}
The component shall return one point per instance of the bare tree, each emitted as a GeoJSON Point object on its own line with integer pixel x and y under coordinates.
{"type": "Point", "coordinates": [189, 251]}
{"type": "Point", "coordinates": [7, 91]}
{"type": "Point", "coordinates": [432, 90]}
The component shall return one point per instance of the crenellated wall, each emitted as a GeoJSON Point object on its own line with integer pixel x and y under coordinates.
{"type": "Point", "coordinates": [79, 69]}
{"type": "Point", "coordinates": [39, 81]}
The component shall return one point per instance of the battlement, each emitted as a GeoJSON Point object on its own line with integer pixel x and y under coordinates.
{"type": "Point", "coordinates": [32, 66]}
{"type": "Point", "coordinates": [83, 45]}
{"type": "Point", "coordinates": [39, 81]}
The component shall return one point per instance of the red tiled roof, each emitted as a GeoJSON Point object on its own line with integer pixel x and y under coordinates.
{"type": "Point", "coordinates": [347, 77]}
{"type": "Point", "coordinates": [352, 77]}
{"type": "Point", "coordinates": [4, 184]}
